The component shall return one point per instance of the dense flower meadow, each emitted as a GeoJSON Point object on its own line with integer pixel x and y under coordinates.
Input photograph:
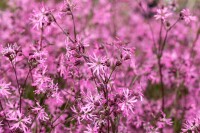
{"type": "Point", "coordinates": [99, 66]}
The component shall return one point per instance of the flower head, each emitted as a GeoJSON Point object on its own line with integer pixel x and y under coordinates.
{"type": "Point", "coordinates": [66, 8]}
{"type": "Point", "coordinates": [42, 18]}
{"type": "Point", "coordinates": [91, 129]}
{"type": "Point", "coordinates": [97, 64]}
{"type": "Point", "coordinates": [164, 121]}
{"type": "Point", "coordinates": [12, 109]}
{"type": "Point", "coordinates": [62, 66]}
{"type": "Point", "coordinates": [91, 100]}
{"type": "Point", "coordinates": [10, 51]}
{"type": "Point", "coordinates": [40, 56]}
{"type": "Point", "coordinates": [162, 14]}
{"type": "Point", "coordinates": [150, 129]}
{"type": "Point", "coordinates": [68, 50]}
{"type": "Point", "coordinates": [41, 114]}
{"type": "Point", "coordinates": [4, 88]}
{"type": "Point", "coordinates": [41, 80]}
{"type": "Point", "coordinates": [20, 121]}
{"type": "Point", "coordinates": [1, 129]}
{"type": "Point", "coordinates": [128, 101]}
{"type": "Point", "coordinates": [187, 17]}
{"type": "Point", "coordinates": [191, 125]}
{"type": "Point", "coordinates": [57, 96]}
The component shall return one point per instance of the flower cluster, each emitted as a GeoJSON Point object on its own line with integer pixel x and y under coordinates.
{"type": "Point", "coordinates": [99, 66]}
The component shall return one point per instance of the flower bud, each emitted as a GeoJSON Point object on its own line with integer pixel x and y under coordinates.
{"type": "Point", "coordinates": [168, 24]}
{"type": "Point", "coordinates": [127, 57]}
{"type": "Point", "coordinates": [32, 63]}
{"type": "Point", "coordinates": [118, 63]}
{"type": "Point", "coordinates": [107, 63]}
{"type": "Point", "coordinates": [77, 55]}
{"type": "Point", "coordinates": [78, 62]}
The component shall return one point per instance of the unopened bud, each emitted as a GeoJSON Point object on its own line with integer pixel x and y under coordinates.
{"type": "Point", "coordinates": [78, 62]}
{"type": "Point", "coordinates": [181, 15]}
{"type": "Point", "coordinates": [168, 24]}
{"type": "Point", "coordinates": [77, 55]}
{"type": "Point", "coordinates": [118, 63]}
{"type": "Point", "coordinates": [32, 62]}
{"type": "Point", "coordinates": [107, 63]}
{"type": "Point", "coordinates": [127, 57]}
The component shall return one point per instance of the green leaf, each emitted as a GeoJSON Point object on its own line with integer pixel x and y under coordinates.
{"type": "Point", "coordinates": [29, 92]}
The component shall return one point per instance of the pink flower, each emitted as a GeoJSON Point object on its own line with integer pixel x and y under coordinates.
{"type": "Point", "coordinates": [4, 88]}
{"type": "Point", "coordinates": [91, 100]}
{"type": "Point", "coordinates": [162, 14]}
{"type": "Point", "coordinates": [1, 129]}
{"type": "Point", "coordinates": [97, 64]}
{"type": "Point", "coordinates": [150, 129]}
{"type": "Point", "coordinates": [11, 109]}
{"type": "Point", "coordinates": [57, 97]}
{"type": "Point", "coordinates": [20, 122]}
{"type": "Point", "coordinates": [81, 115]}
{"type": "Point", "coordinates": [40, 56]}
{"type": "Point", "coordinates": [41, 114]}
{"type": "Point", "coordinates": [62, 66]}
{"type": "Point", "coordinates": [55, 93]}
{"type": "Point", "coordinates": [77, 114]}
{"type": "Point", "coordinates": [164, 121]}
{"type": "Point", "coordinates": [41, 18]}
{"type": "Point", "coordinates": [41, 80]}
{"type": "Point", "coordinates": [68, 50]}
{"type": "Point", "coordinates": [87, 110]}
{"type": "Point", "coordinates": [187, 16]}
{"type": "Point", "coordinates": [10, 51]}
{"type": "Point", "coordinates": [128, 101]}
{"type": "Point", "coordinates": [91, 129]}
{"type": "Point", "coordinates": [191, 125]}
{"type": "Point", "coordinates": [66, 7]}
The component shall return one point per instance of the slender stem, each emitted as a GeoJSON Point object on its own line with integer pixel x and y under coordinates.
{"type": "Point", "coordinates": [111, 73]}
{"type": "Point", "coordinates": [161, 83]}
{"type": "Point", "coordinates": [166, 34]}
{"type": "Point", "coordinates": [64, 32]}
{"type": "Point", "coordinates": [194, 42]}
{"type": "Point", "coordinates": [74, 26]}
{"type": "Point", "coordinates": [66, 105]}
{"type": "Point", "coordinates": [19, 90]}
{"type": "Point", "coordinates": [27, 77]}
{"type": "Point", "coordinates": [41, 37]}
{"type": "Point", "coordinates": [134, 79]}
{"type": "Point", "coordinates": [159, 57]}
{"type": "Point", "coordinates": [174, 24]}
{"type": "Point", "coordinates": [114, 18]}
{"type": "Point", "coordinates": [20, 100]}
{"type": "Point", "coordinates": [164, 43]}
{"type": "Point", "coordinates": [14, 69]}
{"type": "Point", "coordinates": [160, 38]}
{"type": "Point", "coordinates": [150, 27]}
{"type": "Point", "coordinates": [107, 112]}
{"type": "Point", "coordinates": [107, 99]}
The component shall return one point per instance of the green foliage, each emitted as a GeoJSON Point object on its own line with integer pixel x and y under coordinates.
{"type": "Point", "coordinates": [182, 91]}
{"type": "Point", "coordinates": [177, 123]}
{"type": "Point", "coordinates": [153, 92]}
{"type": "Point", "coordinates": [29, 92]}
{"type": "Point", "coordinates": [3, 4]}
{"type": "Point", "coordinates": [70, 121]}
{"type": "Point", "coordinates": [61, 82]}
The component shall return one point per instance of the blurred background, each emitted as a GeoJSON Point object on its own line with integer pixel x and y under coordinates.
{"type": "Point", "coordinates": [153, 91]}
{"type": "Point", "coordinates": [182, 3]}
